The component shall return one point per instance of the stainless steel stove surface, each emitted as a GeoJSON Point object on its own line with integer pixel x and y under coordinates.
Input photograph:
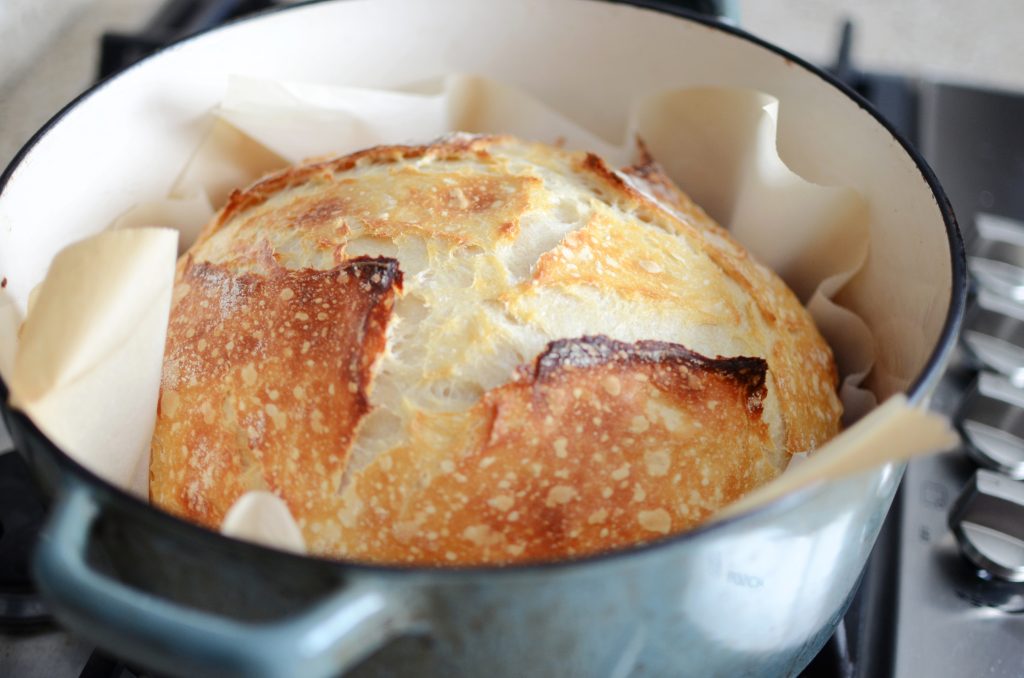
{"type": "Point", "coordinates": [924, 607]}
{"type": "Point", "coordinates": [959, 616]}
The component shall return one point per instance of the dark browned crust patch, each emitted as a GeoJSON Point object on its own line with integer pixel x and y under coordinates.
{"type": "Point", "coordinates": [591, 351]}
{"type": "Point", "coordinates": [805, 403]}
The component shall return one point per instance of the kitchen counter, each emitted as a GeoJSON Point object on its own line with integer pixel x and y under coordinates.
{"type": "Point", "coordinates": [929, 37]}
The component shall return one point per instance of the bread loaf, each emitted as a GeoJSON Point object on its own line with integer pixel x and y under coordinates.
{"type": "Point", "coordinates": [479, 351]}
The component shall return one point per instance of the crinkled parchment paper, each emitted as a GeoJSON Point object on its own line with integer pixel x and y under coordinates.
{"type": "Point", "coordinates": [87, 366]}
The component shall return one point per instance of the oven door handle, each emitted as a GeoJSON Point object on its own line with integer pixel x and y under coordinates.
{"type": "Point", "coordinates": [324, 640]}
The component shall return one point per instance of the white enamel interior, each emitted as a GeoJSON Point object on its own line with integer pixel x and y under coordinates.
{"type": "Point", "coordinates": [126, 142]}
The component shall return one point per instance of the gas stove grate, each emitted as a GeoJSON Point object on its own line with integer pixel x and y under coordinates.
{"type": "Point", "coordinates": [21, 515]}
{"type": "Point", "coordinates": [176, 19]}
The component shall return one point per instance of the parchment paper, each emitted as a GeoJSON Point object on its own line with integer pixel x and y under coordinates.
{"type": "Point", "coordinates": [87, 369]}
{"type": "Point", "coordinates": [717, 144]}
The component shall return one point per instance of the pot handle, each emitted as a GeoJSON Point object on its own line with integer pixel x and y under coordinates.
{"type": "Point", "coordinates": [323, 640]}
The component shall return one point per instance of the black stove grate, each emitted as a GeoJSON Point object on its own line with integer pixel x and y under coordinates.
{"type": "Point", "coordinates": [176, 19]}
{"type": "Point", "coordinates": [101, 665]}
{"type": "Point", "coordinates": [893, 95]}
{"type": "Point", "coordinates": [21, 515]}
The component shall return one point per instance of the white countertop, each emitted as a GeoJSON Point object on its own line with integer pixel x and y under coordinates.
{"type": "Point", "coordinates": [61, 67]}
{"type": "Point", "coordinates": [980, 42]}
{"type": "Point", "coordinates": [976, 42]}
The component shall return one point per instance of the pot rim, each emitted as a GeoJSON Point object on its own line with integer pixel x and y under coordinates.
{"type": "Point", "coordinates": [918, 390]}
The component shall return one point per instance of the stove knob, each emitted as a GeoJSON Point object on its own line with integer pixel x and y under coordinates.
{"type": "Point", "coordinates": [991, 421]}
{"type": "Point", "coordinates": [993, 334]}
{"type": "Point", "coordinates": [988, 521]}
{"type": "Point", "coordinates": [996, 256]}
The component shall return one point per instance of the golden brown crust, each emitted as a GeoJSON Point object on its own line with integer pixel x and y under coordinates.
{"type": "Point", "coordinates": [262, 386]}
{"type": "Point", "coordinates": [812, 416]}
{"type": "Point", "coordinates": [651, 175]}
{"type": "Point", "coordinates": [645, 269]}
{"type": "Point", "coordinates": [598, 445]}
{"type": "Point", "coordinates": [466, 414]}
{"type": "Point", "coordinates": [450, 148]}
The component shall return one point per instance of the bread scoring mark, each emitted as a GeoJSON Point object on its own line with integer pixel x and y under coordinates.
{"type": "Point", "coordinates": [649, 176]}
{"type": "Point", "coordinates": [279, 378]}
{"type": "Point", "coordinates": [555, 462]}
{"type": "Point", "coordinates": [321, 212]}
{"type": "Point", "coordinates": [746, 372]}
{"type": "Point", "coordinates": [634, 262]}
{"type": "Point", "coordinates": [312, 217]}
{"type": "Point", "coordinates": [800, 348]}
{"type": "Point", "coordinates": [646, 194]}
{"type": "Point", "coordinates": [453, 147]}
{"type": "Point", "coordinates": [479, 209]}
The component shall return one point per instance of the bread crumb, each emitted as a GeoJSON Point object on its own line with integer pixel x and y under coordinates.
{"type": "Point", "coordinates": [560, 494]}
{"type": "Point", "coordinates": [612, 385]}
{"type": "Point", "coordinates": [639, 424]}
{"type": "Point", "coordinates": [169, 403]}
{"type": "Point", "coordinates": [502, 502]}
{"type": "Point", "coordinates": [657, 462]}
{"type": "Point", "coordinates": [482, 535]}
{"type": "Point", "coordinates": [657, 520]}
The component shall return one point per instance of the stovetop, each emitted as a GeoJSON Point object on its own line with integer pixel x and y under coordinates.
{"type": "Point", "coordinates": [956, 617]}
{"type": "Point", "coordinates": [922, 607]}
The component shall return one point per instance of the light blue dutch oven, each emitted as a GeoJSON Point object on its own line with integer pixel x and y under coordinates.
{"type": "Point", "coordinates": [757, 595]}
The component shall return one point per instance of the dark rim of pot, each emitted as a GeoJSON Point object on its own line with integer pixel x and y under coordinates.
{"type": "Point", "coordinates": [927, 377]}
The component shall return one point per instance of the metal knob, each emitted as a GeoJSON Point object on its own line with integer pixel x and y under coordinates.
{"type": "Point", "coordinates": [996, 257]}
{"type": "Point", "coordinates": [991, 421]}
{"type": "Point", "coordinates": [993, 334]}
{"type": "Point", "coordinates": [988, 521]}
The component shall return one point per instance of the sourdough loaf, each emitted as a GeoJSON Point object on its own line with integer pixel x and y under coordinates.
{"type": "Point", "coordinates": [479, 351]}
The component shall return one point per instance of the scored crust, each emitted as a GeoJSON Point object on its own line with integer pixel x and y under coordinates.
{"type": "Point", "coordinates": [262, 387]}
{"type": "Point", "coordinates": [480, 351]}
{"type": "Point", "coordinates": [601, 444]}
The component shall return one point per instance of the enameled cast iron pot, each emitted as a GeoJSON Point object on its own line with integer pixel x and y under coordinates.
{"type": "Point", "coordinates": [754, 595]}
